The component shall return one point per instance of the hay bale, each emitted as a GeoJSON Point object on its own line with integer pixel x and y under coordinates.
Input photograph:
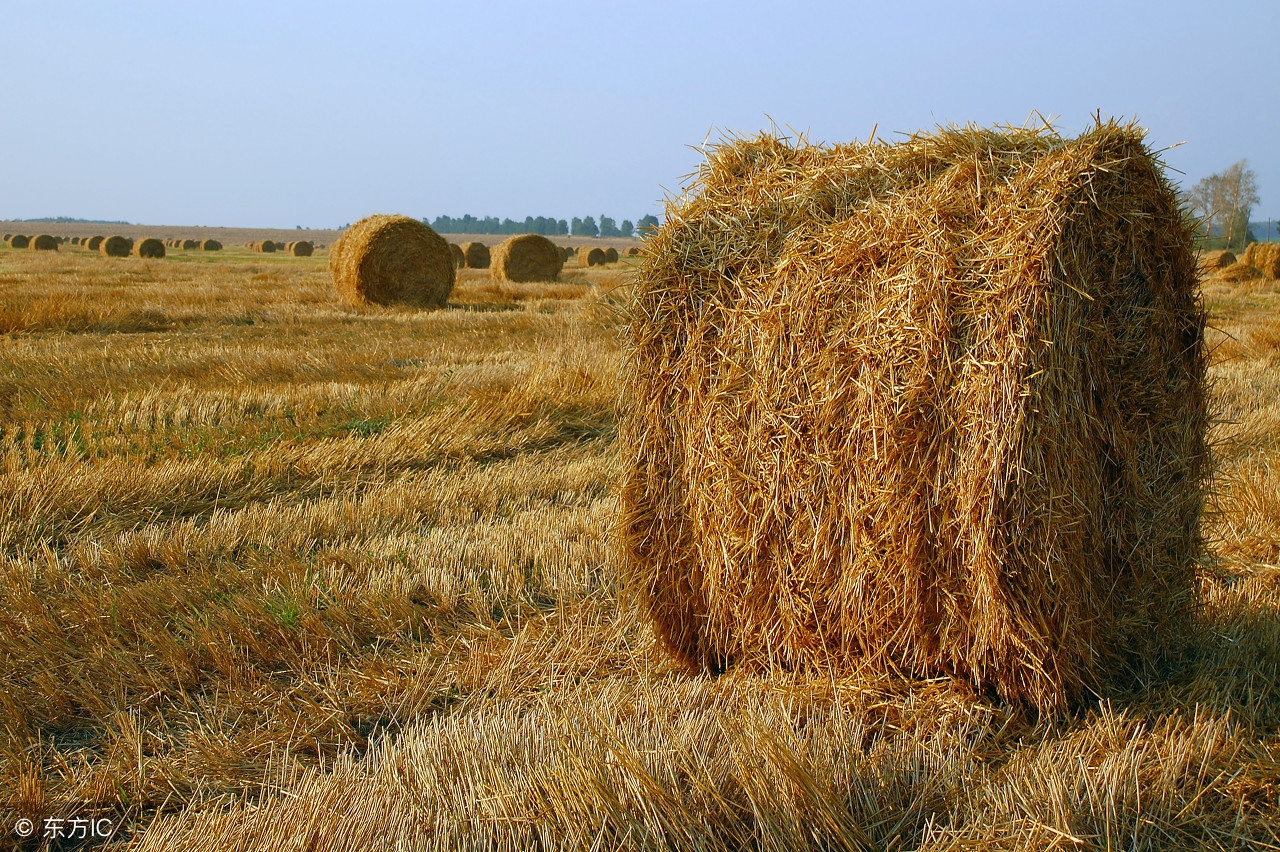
{"type": "Point", "coordinates": [299, 248]}
{"type": "Point", "coordinates": [1239, 271]}
{"type": "Point", "coordinates": [590, 256]}
{"type": "Point", "coordinates": [75, 241]}
{"type": "Point", "coordinates": [149, 247]}
{"type": "Point", "coordinates": [459, 259]}
{"type": "Point", "coordinates": [266, 246]}
{"type": "Point", "coordinates": [210, 245]}
{"type": "Point", "coordinates": [18, 241]}
{"type": "Point", "coordinates": [527, 257]}
{"type": "Point", "coordinates": [188, 245]}
{"type": "Point", "coordinates": [43, 242]}
{"type": "Point", "coordinates": [610, 255]}
{"type": "Point", "coordinates": [6, 238]}
{"type": "Point", "coordinates": [115, 246]}
{"type": "Point", "coordinates": [634, 251]}
{"type": "Point", "coordinates": [1216, 259]}
{"type": "Point", "coordinates": [385, 260]}
{"type": "Point", "coordinates": [1265, 257]}
{"type": "Point", "coordinates": [936, 407]}
{"type": "Point", "coordinates": [94, 243]}
{"type": "Point", "coordinates": [477, 255]}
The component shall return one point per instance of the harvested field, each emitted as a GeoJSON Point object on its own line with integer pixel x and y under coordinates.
{"type": "Point", "coordinates": [346, 577]}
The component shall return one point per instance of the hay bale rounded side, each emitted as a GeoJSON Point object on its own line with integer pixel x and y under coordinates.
{"type": "Point", "coordinates": [527, 257]}
{"type": "Point", "coordinates": [115, 246]}
{"type": "Point", "coordinates": [387, 260]}
{"type": "Point", "coordinates": [19, 241]}
{"type": "Point", "coordinates": [591, 256]}
{"type": "Point", "coordinates": [43, 242]}
{"type": "Point", "coordinates": [210, 245]}
{"type": "Point", "coordinates": [300, 248]}
{"type": "Point", "coordinates": [93, 243]}
{"type": "Point", "coordinates": [477, 255]}
{"type": "Point", "coordinates": [857, 441]}
{"type": "Point", "coordinates": [459, 259]}
{"type": "Point", "coordinates": [149, 247]}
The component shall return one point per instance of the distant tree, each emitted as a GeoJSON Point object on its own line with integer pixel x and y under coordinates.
{"type": "Point", "coordinates": [1223, 202]}
{"type": "Point", "coordinates": [647, 223]}
{"type": "Point", "coordinates": [586, 227]}
{"type": "Point", "coordinates": [608, 227]}
{"type": "Point", "coordinates": [626, 228]}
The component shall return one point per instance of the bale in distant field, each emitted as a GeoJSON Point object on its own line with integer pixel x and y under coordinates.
{"type": "Point", "coordinates": [590, 256]}
{"type": "Point", "coordinates": [189, 245]}
{"type": "Point", "coordinates": [300, 248]}
{"type": "Point", "coordinates": [75, 241]}
{"type": "Point", "coordinates": [477, 255]}
{"type": "Point", "coordinates": [43, 242]}
{"type": "Point", "coordinates": [210, 245]}
{"type": "Point", "coordinates": [19, 241]}
{"type": "Point", "coordinates": [385, 260]}
{"type": "Point", "coordinates": [527, 257]}
{"type": "Point", "coordinates": [1239, 271]}
{"type": "Point", "coordinates": [1216, 259]}
{"type": "Point", "coordinates": [7, 237]}
{"type": "Point", "coordinates": [267, 246]}
{"type": "Point", "coordinates": [634, 251]}
{"type": "Point", "coordinates": [936, 407]}
{"type": "Point", "coordinates": [149, 247]}
{"type": "Point", "coordinates": [116, 246]}
{"type": "Point", "coordinates": [94, 243]}
{"type": "Point", "coordinates": [459, 259]}
{"type": "Point", "coordinates": [611, 255]}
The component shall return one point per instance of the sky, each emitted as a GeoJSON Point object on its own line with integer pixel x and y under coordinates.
{"type": "Point", "coordinates": [281, 114]}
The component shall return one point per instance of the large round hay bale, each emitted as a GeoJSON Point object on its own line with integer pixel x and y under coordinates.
{"type": "Point", "coordinates": [19, 241]}
{"type": "Point", "coordinates": [386, 260]}
{"type": "Point", "coordinates": [527, 257]}
{"type": "Point", "coordinates": [459, 259]}
{"type": "Point", "coordinates": [590, 256]}
{"type": "Point", "coordinates": [857, 440]}
{"type": "Point", "coordinates": [610, 255]}
{"type": "Point", "coordinates": [93, 243]}
{"type": "Point", "coordinates": [300, 248]}
{"type": "Point", "coordinates": [210, 245]}
{"type": "Point", "coordinates": [115, 246]}
{"type": "Point", "coordinates": [43, 242]}
{"type": "Point", "coordinates": [149, 247]}
{"type": "Point", "coordinates": [477, 255]}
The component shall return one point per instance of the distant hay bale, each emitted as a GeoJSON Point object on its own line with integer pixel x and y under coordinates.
{"type": "Point", "coordinates": [936, 407]}
{"type": "Point", "coordinates": [43, 242]}
{"type": "Point", "coordinates": [634, 251]}
{"type": "Point", "coordinates": [477, 255]}
{"type": "Point", "coordinates": [590, 256]}
{"type": "Point", "coordinates": [1239, 271]}
{"type": "Point", "coordinates": [18, 241]}
{"type": "Point", "coordinates": [267, 246]}
{"type": "Point", "coordinates": [1216, 259]}
{"type": "Point", "coordinates": [611, 255]}
{"type": "Point", "coordinates": [115, 246]}
{"type": "Point", "coordinates": [300, 248]}
{"type": "Point", "coordinates": [190, 245]}
{"type": "Point", "coordinates": [75, 241]}
{"type": "Point", "coordinates": [459, 259]}
{"type": "Point", "coordinates": [386, 260]}
{"type": "Point", "coordinates": [210, 245]}
{"type": "Point", "coordinates": [7, 238]}
{"type": "Point", "coordinates": [149, 247]}
{"type": "Point", "coordinates": [527, 257]}
{"type": "Point", "coordinates": [94, 243]}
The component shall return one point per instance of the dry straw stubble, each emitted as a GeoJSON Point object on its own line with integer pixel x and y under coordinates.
{"type": "Point", "coordinates": [386, 260]}
{"type": "Point", "coordinates": [477, 255]}
{"type": "Point", "coordinates": [935, 407]}
{"type": "Point", "coordinates": [527, 257]}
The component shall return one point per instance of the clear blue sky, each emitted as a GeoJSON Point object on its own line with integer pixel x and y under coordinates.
{"type": "Point", "coordinates": [276, 114]}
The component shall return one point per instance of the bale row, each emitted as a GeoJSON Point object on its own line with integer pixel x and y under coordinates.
{"type": "Point", "coordinates": [936, 407]}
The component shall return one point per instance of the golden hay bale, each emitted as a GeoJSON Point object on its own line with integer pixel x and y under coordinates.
{"type": "Point", "coordinates": [43, 242]}
{"type": "Point", "coordinates": [75, 241]}
{"type": "Point", "coordinates": [149, 247]}
{"type": "Point", "coordinates": [115, 246]}
{"type": "Point", "coordinates": [1239, 271]}
{"type": "Point", "coordinates": [18, 241]}
{"type": "Point", "coordinates": [267, 246]}
{"type": "Point", "coordinates": [300, 248]}
{"type": "Point", "coordinates": [94, 243]}
{"type": "Point", "coordinates": [210, 245]}
{"type": "Point", "coordinates": [590, 256]}
{"type": "Point", "coordinates": [188, 245]}
{"type": "Point", "coordinates": [611, 255]}
{"type": "Point", "coordinates": [477, 255]}
{"type": "Point", "coordinates": [385, 260]}
{"type": "Point", "coordinates": [459, 259]}
{"type": "Point", "coordinates": [936, 407]}
{"type": "Point", "coordinates": [527, 257]}
{"type": "Point", "coordinates": [1265, 257]}
{"type": "Point", "coordinates": [1216, 259]}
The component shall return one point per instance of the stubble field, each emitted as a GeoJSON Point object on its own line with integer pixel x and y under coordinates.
{"type": "Point", "coordinates": [276, 573]}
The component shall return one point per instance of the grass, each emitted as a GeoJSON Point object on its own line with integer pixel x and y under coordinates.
{"type": "Point", "coordinates": [276, 573]}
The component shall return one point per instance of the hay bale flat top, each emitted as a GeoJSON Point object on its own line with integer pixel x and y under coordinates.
{"type": "Point", "coordinates": [527, 257]}
{"type": "Point", "coordinates": [477, 255]}
{"type": "Point", "coordinates": [387, 260]}
{"type": "Point", "coordinates": [935, 407]}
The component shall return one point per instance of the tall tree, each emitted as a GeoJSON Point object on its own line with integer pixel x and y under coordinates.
{"type": "Point", "coordinates": [1224, 200]}
{"type": "Point", "coordinates": [608, 227]}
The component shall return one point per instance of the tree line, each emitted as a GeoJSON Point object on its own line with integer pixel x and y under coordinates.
{"type": "Point", "coordinates": [586, 226]}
